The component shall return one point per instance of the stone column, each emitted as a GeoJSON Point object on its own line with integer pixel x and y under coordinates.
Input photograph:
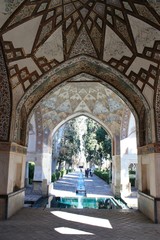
{"type": "Point", "coordinates": [42, 172]}
{"type": "Point", "coordinates": [37, 178]}
{"type": "Point", "coordinates": [116, 167]}
{"type": "Point", "coordinates": [27, 174]}
{"type": "Point", "coordinates": [116, 176]}
{"type": "Point", "coordinates": [47, 166]}
{"type": "Point", "coordinates": [12, 178]}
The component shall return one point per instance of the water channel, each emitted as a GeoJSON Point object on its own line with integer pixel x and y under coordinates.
{"type": "Point", "coordinates": [80, 200]}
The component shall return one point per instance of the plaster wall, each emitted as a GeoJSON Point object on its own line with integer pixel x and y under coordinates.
{"type": "Point", "coordinates": [15, 202]}
{"type": "Point", "coordinates": [17, 166]}
{"type": "Point", "coordinates": [47, 166]}
{"type": "Point", "coordinates": [31, 157]}
{"type": "Point", "coordinates": [149, 177]}
{"type": "Point", "coordinates": [38, 168]}
{"type": "Point", "coordinates": [14, 165]}
{"type": "Point", "coordinates": [146, 206]}
{"type": "Point", "coordinates": [43, 164]}
{"type": "Point", "coordinates": [149, 185]}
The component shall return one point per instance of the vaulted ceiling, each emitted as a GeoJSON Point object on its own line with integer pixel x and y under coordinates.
{"type": "Point", "coordinates": [38, 37]}
{"type": "Point", "coordinates": [91, 99]}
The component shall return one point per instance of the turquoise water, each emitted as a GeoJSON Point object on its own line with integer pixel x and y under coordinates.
{"type": "Point", "coordinates": [83, 202]}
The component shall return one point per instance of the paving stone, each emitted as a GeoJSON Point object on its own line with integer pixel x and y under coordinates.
{"type": "Point", "coordinates": [40, 224]}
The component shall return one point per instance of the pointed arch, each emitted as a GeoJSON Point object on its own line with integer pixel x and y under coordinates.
{"type": "Point", "coordinates": [104, 74]}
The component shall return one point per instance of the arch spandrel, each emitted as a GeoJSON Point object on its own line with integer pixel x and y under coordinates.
{"type": "Point", "coordinates": [84, 64]}
{"type": "Point", "coordinates": [80, 98]}
{"type": "Point", "coordinates": [91, 83]}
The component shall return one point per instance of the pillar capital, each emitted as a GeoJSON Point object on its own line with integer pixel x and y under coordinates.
{"type": "Point", "coordinates": [12, 147]}
{"type": "Point", "coordinates": [149, 148]}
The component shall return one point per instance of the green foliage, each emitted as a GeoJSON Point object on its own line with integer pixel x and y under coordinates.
{"type": "Point", "coordinates": [69, 170]}
{"type": "Point", "coordinates": [105, 141]}
{"type": "Point", "coordinates": [132, 172]}
{"type": "Point", "coordinates": [132, 177]}
{"type": "Point", "coordinates": [31, 171]}
{"type": "Point", "coordinates": [62, 173]}
{"type": "Point", "coordinates": [58, 174]}
{"type": "Point", "coordinates": [97, 143]}
{"type": "Point", "coordinates": [53, 177]}
{"type": "Point", "coordinates": [69, 143]}
{"type": "Point", "coordinates": [103, 175]}
{"type": "Point", "coordinates": [132, 181]}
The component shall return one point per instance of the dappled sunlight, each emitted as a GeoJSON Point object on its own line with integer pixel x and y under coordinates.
{"type": "Point", "coordinates": [98, 195]}
{"type": "Point", "coordinates": [88, 180]}
{"type": "Point", "coordinates": [65, 182]}
{"type": "Point", "coordinates": [65, 230]}
{"type": "Point", "coordinates": [62, 193]}
{"type": "Point", "coordinates": [70, 176]}
{"type": "Point", "coordinates": [98, 222]}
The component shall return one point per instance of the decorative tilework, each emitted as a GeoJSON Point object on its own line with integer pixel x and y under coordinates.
{"type": "Point", "coordinates": [5, 101]}
{"type": "Point", "coordinates": [125, 123]}
{"type": "Point", "coordinates": [39, 130]}
{"type": "Point", "coordinates": [90, 66]}
{"type": "Point", "coordinates": [82, 25]}
{"type": "Point", "coordinates": [157, 106]}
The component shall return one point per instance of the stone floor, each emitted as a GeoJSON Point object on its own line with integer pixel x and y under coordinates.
{"type": "Point", "coordinates": [79, 224]}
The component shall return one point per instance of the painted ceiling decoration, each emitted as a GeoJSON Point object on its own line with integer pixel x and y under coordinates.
{"type": "Point", "coordinates": [58, 30]}
{"type": "Point", "coordinates": [40, 37]}
{"type": "Point", "coordinates": [86, 98]}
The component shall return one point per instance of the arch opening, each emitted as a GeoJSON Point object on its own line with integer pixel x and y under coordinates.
{"type": "Point", "coordinates": [107, 109]}
{"type": "Point", "coordinates": [105, 76]}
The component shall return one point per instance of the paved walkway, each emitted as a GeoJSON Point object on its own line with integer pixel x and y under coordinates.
{"type": "Point", "coordinates": [94, 186]}
{"type": "Point", "coordinates": [78, 224]}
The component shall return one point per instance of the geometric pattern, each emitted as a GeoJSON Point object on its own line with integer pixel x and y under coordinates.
{"type": "Point", "coordinates": [83, 24]}
{"type": "Point", "coordinates": [157, 106]}
{"type": "Point", "coordinates": [39, 130]}
{"type": "Point", "coordinates": [75, 98]}
{"type": "Point", "coordinates": [5, 101]}
{"type": "Point", "coordinates": [40, 36]}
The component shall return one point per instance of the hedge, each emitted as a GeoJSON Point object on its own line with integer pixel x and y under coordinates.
{"type": "Point", "coordinates": [103, 175]}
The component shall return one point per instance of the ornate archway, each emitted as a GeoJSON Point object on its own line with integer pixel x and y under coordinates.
{"type": "Point", "coordinates": [113, 42]}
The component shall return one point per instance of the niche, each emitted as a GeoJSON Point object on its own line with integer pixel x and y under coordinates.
{"type": "Point", "coordinates": [18, 176]}
{"type": "Point", "coordinates": [145, 179]}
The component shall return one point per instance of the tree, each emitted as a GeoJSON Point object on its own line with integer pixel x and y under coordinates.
{"type": "Point", "coordinates": [104, 139]}
{"type": "Point", "coordinates": [69, 144]}
{"type": "Point", "coordinates": [97, 143]}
